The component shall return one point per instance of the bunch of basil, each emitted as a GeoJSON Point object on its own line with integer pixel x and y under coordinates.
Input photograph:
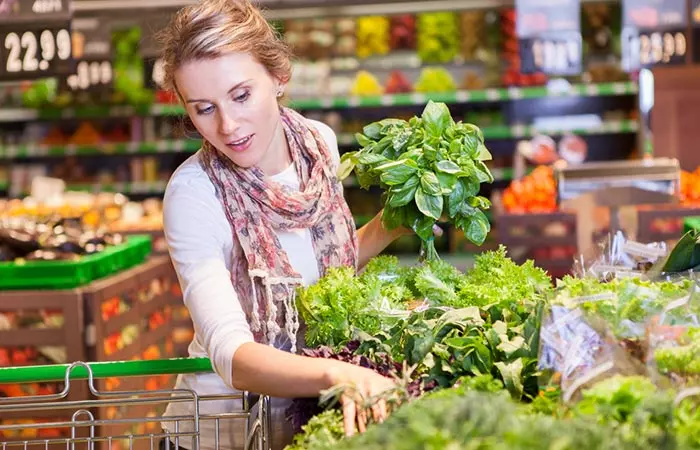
{"type": "Point", "coordinates": [430, 169]}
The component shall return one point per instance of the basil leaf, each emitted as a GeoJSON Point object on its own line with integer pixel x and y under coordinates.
{"type": "Point", "coordinates": [373, 130]}
{"type": "Point", "coordinates": [480, 202]}
{"type": "Point", "coordinates": [383, 145]}
{"type": "Point", "coordinates": [392, 218]}
{"type": "Point", "coordinates": [387, 124]}
{"type": "Point", "coordinates": [363, 140]}
{"type": "Point", "coordinates": [423, 227]}
{"type": "Point", "coordinates": [347, 164]}
{"type": "Point", "coordinates": [430, 184]}
{"type": "Point", "coordinates": [447, 182]}
{"type": "Point", "coordinates": [467, 167]}
{"type": "Point", "coordinates": [365, 177]}
{"type": "Point", "coordinates": [484, 153]}
{"type": "Point", "coordinates": [429, 152]}
{"type": "Point", "coordinates": [395, 172]}
{"type": "Point", "coordinates": [471, 145]}
{"type": "Point", "coordinates": [447, 167]}
{"type": "Point", "coordinates": [456, 198]}
{"type": "Point", "coordinates": [436, 118]}
{"type": "Point", "coordinates": [471, 185]}
{"type": "Point", "coordinates": [455, 149]}
{"type": "Point", "coordinates": [370, 158]}
{"type": "Point", "coordinates": [470, 128]}
{"type": "Point", "coordinates": [400, 140]}
{"type": "Point", "coordinates": [479, 227]}
{"type": "Point", "coordinates": [405, 195]}
{"type": "Point", "coordinates": [429, 205]}
{"type": "Point", "coordinates": [483, 173]}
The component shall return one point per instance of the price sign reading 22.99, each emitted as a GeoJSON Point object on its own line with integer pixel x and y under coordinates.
{"type": "Point", "coordinates": [35, 53]}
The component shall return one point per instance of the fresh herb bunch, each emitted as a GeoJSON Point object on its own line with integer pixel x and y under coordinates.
{"type": "Point", "coordinates": [429, 167]}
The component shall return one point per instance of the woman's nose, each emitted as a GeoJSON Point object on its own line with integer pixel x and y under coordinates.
{"type": "Point", "coordinates": [228, 124]}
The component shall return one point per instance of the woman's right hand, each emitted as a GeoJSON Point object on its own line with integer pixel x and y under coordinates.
{"type": "Point", "coordinates": [363, 383]}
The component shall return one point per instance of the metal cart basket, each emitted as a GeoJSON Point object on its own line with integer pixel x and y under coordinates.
{"type": "Point", "coordinates": [91, 421]}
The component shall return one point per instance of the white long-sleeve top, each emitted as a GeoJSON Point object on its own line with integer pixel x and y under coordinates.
{"type": "Point", "coordinates": [200, 242]}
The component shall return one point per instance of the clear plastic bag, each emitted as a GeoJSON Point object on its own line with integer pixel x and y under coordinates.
{"type": "Point", "coordinates": [576, 353]}
{"type": "Point", "coordinates": [619, 257]}
{"type": "Point", "coordinates": [674, 340]}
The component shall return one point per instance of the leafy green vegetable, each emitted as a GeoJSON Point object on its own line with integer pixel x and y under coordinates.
{"type": "Point", "coordinates": [683, 359]}
{"type": "Point", "coordinates": [430, 168]}
{"type": "Point", "coordinates": [323, 431]}
{"type": "Point", "coordinates": [454, 419]}
{"type": "Point", "coordinates": [629, 302]}
{"type": "Point", "coordinates": [334, 307]}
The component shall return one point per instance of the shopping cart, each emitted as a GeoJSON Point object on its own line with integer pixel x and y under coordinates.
{"type": "Point", "coordinates": [114, 420]}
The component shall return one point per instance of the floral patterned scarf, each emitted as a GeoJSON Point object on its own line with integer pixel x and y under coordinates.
{"type": "Point", "coordinates": [256, 208]}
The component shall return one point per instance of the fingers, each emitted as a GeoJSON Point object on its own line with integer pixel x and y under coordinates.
{"type": "Point", "coordinates": [361, 419]}
{"type": "Point", "coordinates": [437, 231]}
{"type": "Point", "coordinates": [379, 411]}
{"type": "Point", "coordinates": [349, 415]}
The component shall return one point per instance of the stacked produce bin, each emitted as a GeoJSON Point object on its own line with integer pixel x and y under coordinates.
{"type": "Point", "coordinates": [132, 310]}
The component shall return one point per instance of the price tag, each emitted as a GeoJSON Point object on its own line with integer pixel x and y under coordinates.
{"type": "Point", "coordinates": [91, 75]}
{"type": "Point", "coordinates": [549, 33]}
{"type": "Point", "coordinates": [554, 54]}
{"type": "Point", "coordinates": [653, 34]}
{"type": "Point", "coordinates": [23, 12]}
{"type": "Point", "coordinates": [92, 51]}
{"type": "Point", "coordinates": [154, 75]}
{"type": "Point", "coordinates": [695, 21]}
{"type": "Point", "coordinates": [34, 52]}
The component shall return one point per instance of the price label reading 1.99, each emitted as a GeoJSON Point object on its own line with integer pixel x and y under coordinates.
{"type": "Point", "coordinates": [34, 53]}
{"type": "Point", "coordinates": [558, 54]}
{"type": "Point", "coordinates": [647, 49]}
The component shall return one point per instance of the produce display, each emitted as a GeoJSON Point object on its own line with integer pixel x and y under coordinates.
{"type": "Point", "coordinates": [51, 240]}
{"type": "Point", "coordinates": [428, 167]}
{"type": "Point", "coordinates": [499, 357]}
{"type": "Point", "coordinates": [366, 84]}
{"type": "Point", "coordinates": [435, 80]}
{"type": "Point", "coordinates": [372, 36]}
{"type": "Point", "coordinates": [690, 187]}
{"type": "Point", "coordinates": [534, 193]}
{"type": "Point", "coordinates": [403, 32]}
{"type": "Point", "coordinates": [438, 37]}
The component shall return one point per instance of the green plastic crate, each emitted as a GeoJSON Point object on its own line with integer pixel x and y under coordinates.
{"type": "Point", "coordinates": [691, 223]}
{"type": "Point", "coordinates": [72, 274]}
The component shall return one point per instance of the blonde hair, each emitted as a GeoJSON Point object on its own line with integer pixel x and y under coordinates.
{"type": "Point", "coordinates": [213, 28]}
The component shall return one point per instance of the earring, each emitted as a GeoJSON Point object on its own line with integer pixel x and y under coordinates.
{"type": "Point", "coordinates": [280, 93]}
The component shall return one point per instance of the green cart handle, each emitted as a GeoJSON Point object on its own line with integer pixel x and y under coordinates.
{"type": "Point", "coordinates": [57, 372]}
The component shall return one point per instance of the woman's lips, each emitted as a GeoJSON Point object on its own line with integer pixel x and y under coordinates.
{"type": "Point", "coordinates": [242, 144]}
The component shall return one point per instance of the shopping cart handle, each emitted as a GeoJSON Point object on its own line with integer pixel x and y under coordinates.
{"type": "Point", "coordinates": [78, 371]}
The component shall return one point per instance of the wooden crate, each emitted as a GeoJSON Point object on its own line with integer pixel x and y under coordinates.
{"type": "Point", "coordinates": [147, 289]}
{"type": "Point", "coordinates": [661, 223]}
{"type": "Point", "coordinates": [547, 238]}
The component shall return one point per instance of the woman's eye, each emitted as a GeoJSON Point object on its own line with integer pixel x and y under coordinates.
{"type": "Point", "coordinates": [243, 97]}
{"type": "Point", "coordinates": [204, 111]}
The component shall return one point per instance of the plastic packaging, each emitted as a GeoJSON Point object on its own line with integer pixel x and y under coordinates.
{"type": "Point", "coordinates": [674, 341]}
{"type": "Point", "coordinates": [619, 257]}
{"type": "Point", "coordinates": [575, 353]}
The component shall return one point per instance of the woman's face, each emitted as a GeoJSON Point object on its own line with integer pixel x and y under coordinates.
{"type": "Point", "coordinates": [232, 101]}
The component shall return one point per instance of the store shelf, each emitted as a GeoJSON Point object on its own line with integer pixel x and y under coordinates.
{"type": "Point", "coordinates": [122, 148]}
{"type": "Point", "coordinates": [140, 187]}
{"type": "Point", "coordinates": [343, 102]}
{"type": "Point", "coordinates": [486, 95]}
{"type": "Point", "coordinates": [523, 131]}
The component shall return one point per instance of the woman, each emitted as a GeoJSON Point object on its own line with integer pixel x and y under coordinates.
{"type": "Point", "coordinates": [255, 213]}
